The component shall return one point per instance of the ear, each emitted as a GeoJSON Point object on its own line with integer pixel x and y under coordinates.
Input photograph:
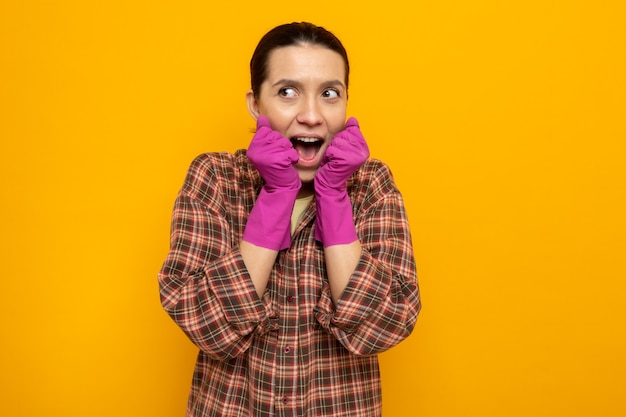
{"type": "Point", "coordinates": [253, 105]}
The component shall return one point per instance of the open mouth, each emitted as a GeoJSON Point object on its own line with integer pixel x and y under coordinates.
{"type": "Point", "coordinates": [307, 148]}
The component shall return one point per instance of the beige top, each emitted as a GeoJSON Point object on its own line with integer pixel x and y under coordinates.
{"type": "Point", "coordinates": [298, 208]}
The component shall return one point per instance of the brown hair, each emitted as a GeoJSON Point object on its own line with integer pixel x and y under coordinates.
{"type": "Point", "coordinates": [296, 33]}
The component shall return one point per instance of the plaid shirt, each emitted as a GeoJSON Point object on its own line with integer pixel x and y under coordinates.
{"type": "Point", "coordinates": [293, 352]}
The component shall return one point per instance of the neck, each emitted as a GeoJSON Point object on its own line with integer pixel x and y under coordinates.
{"type": "Point", "coordinates": [306, 190]}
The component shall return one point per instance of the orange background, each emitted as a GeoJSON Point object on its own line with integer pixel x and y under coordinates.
{"type": "Point", "coordinates": [503, 122]}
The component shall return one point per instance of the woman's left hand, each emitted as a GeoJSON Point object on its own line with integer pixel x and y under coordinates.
{"type": "Point", "coordinates": [344, 155]}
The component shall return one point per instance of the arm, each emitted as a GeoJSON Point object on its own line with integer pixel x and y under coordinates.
{"type": "Point", "coordinates": [213, 292]}
{"type": "Point", "coordinates": [259, 262]}
{"type": "Point", "coordinates": [267, 228]}
{"type": "Point", "coordinates": [379, 305]}
{"type": "Point", "coordinates": [204, 284]}
{"type": "Point", "coordinates": [341, 261]}
{"type": "Point", "coordinates": [334, 225]}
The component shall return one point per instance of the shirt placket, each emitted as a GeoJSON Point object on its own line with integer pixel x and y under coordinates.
{"type": "Point", "coordinates": [288, 386]}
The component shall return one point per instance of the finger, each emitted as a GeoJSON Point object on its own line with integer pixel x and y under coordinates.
{"type": "Point", "coordinates": [343, 140]}
{"type": "Point", "coordinates": [293, 156]}
{"type": "Point", "coordinates": [352, 122]}
{"type": "Point", "coordinates": [339, 140]}
{"type": "Point", "coordinates": [262, 121]}
{"type": "Point", "coordinates": [333, 151]}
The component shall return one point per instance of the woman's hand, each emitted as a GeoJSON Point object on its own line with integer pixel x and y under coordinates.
{"type": "Point", "coordinates": [274, 157]}
{"type": "Point", "coordinates": [344, 155]}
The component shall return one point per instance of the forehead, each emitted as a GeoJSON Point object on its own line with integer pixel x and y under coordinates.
{"type": "Point", "coordinates": [312, 62]}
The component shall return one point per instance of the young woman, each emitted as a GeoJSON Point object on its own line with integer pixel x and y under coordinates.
{"type": "Point", "coordinates": [291, 264]}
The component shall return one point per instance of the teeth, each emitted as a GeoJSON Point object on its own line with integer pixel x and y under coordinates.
{"type": "Point", "coordinates": [307, 140]}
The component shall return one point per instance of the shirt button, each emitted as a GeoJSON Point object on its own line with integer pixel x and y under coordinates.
{"type": "Point", "coordinates": [285, 400]}
{"type": "Point", "coordinates": [287, 349]}
{"type": "Point", "coordinates": [289, 299]}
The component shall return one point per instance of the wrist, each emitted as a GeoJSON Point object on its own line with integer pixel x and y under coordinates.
{"type": "Point", "coordinates": [334, 222]}
{"type": "Point", "coordinates": [269, 221]}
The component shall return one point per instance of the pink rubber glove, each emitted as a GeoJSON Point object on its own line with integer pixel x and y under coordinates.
{"type": "Point", "coordinates": [345, 154]}
{"type": "Point", "coordinates": [274, 157]}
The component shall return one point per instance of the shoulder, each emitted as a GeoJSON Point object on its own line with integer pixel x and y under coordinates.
{"type": "Point", "coordinates": [211, 171]}
{"type": "Point", "coordinates": [214, 161]}
{"type": "Point", "coordinates": [375, 174]}
{"type": "Point", "coordinates": [219, 164]}
{"type": "Point", "coordinates": [372, 183]}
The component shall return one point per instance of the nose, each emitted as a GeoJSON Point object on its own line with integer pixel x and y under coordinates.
{"type": "Point", "coordinates": [309, 112]}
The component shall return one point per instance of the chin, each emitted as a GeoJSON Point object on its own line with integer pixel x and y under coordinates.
{"type": "Point", "coordinates": [306, 176]}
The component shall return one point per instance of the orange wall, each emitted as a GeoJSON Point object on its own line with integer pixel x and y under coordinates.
{"type": "Point", "coordinates": [504, 123]}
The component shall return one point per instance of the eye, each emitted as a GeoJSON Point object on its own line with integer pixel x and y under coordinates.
{"type": "Point", "coordinates": [330, 93]}
{"type": "Point", "coordinates": [287, 92]}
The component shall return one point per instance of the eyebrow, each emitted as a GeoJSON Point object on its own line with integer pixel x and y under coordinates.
{"type": "Point", "coordinates": [286, 81]}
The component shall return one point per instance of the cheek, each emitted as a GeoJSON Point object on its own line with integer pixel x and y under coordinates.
{"type": "Point", "coordinates": [336, 121]}
{"type": "Point", "coordinates": [279, 118]}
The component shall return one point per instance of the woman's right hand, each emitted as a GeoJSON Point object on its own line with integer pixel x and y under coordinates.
{"type": "Point", "coordinates": [268, 225]}
{"type": "Point", "coordinates": [274, 157]}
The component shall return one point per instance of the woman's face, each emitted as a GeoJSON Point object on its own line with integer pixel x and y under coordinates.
{"type": "Point", "coordinates": [304, 98]}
